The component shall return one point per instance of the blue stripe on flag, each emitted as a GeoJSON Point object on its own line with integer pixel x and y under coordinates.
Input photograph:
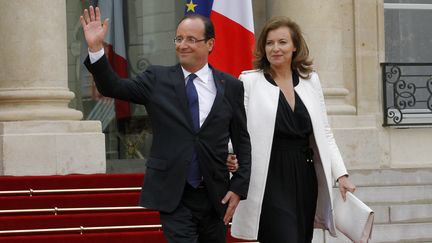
{"type": "Point", "coordinates": [202, 7]}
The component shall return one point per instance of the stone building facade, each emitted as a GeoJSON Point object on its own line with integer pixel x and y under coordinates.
{"type": "Point", "coordinates": [44, 105]}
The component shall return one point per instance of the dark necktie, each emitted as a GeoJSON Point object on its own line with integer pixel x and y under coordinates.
{"type": "Point", "coordinates": [194, 174]}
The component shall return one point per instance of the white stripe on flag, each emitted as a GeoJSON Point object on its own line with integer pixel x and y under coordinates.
{"type": "Point", "coordinates": [239, 11]}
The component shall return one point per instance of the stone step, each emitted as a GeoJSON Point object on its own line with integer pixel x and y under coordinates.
{"type": "Point", "coordinates": [393, 195]}
{"type": "Point", "coordinates": [382, 214]}
{"type": "Point", "coordinates": [386, 233]}
{"type": "Point", "coordinates": [401, 200]}
{"type": "Point", "coordinates": [410, 213]}
{"type": "Point", "coordinates": [391, 177]}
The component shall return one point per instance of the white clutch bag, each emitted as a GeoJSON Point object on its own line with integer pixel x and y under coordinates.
{"type": "Point", "coordinates": [353, 218]}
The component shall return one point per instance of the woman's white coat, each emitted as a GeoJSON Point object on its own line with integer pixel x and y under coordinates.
{"type": "Point", "coordinates": [261, 102]}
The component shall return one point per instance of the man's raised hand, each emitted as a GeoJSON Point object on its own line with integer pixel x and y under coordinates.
{"type": "Point", "coordinates": [94, 30]}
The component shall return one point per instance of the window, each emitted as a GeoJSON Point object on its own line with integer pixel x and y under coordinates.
{"type": "Point", "coordinates": [407, 73]}
{"type": "Point", "coordinates": [408, 30]}
{"type": "Point", "coordinates": [149, 27]}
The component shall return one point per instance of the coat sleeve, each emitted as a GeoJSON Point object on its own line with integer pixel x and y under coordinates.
{"type": "Point", "coordinates": [337, 165]}
{"type": "Point", "coordinates": [109, 84]}
{"type": "Point", "coordinates": [246, 87]}
{"type": "Point", "coordinates": [241, 144]}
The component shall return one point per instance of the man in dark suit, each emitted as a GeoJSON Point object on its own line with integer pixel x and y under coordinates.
{"type": "Point", "coordinates": [194, 110]}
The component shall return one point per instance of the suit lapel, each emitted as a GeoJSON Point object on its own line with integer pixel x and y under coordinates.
{"type": "Point", "coordinates": [177, 77]}
{"type": "Point", "coordinates": [220, 92]}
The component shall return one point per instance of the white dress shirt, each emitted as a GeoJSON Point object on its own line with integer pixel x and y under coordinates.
{"type": "Point", "coordinates": [206, 88]}
{"type": "Point", "coordinates": [204, 83]}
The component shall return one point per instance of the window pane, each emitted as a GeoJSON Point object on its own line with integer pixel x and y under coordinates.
{"type": "Point", "coordinates": [408, 32]}
{"type": "Point", "coordinates": [409, 1]}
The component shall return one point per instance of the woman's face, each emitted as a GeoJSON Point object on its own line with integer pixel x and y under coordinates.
{"type": "Point", "coordinates": [279, 47]}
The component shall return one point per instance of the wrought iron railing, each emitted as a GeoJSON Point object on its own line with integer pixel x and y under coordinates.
{"type": "Point", "coordinates": [407, 92]}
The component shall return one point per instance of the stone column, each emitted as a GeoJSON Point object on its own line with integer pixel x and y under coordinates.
{"type": "Point", "coordinates": [39, 134]}
{"type": "Point", "coordinates": [322, 23]}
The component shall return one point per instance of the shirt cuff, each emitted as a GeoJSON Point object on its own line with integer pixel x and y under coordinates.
{"type": "Point", "coordinates": [95, 56]}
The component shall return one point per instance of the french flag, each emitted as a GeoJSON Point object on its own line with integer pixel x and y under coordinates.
{"type": "Point", "coordinates": [115, 48]}
{"type": "Point", "coordinates": [234, 29]}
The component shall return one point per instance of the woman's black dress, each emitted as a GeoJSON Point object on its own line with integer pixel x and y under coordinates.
{"type": "Point", "coordinates": [289, 203]}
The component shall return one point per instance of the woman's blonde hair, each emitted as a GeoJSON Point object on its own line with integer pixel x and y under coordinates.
{"type": "Point", "coordinates": [300, 59]}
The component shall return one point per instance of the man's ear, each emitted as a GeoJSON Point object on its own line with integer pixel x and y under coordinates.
{"type": "Point", "coordinates": [210, 44]}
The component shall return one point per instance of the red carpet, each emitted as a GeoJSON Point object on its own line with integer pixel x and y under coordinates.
{"type": "Point", "coordinates": [79, 219]}
{"type": "Point", "coordinates": [70, 200]}
{"type": "Point", "coordinates": [108, 237]}
{"type": "Point", "coordinates": [9, 183]}
{"type": "Point", "coordinates": [93, 218]}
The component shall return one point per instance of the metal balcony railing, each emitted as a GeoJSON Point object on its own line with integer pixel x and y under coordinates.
{"type": "Point", "coordinates": [407, 93]}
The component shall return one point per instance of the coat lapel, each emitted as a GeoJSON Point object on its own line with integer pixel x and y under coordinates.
{"type": "Point", "coordinates": [220, 92]}
{"type": "Point", "coordinates": [177, 77]}
{"type": "Point", "coordinates": [304, 92]}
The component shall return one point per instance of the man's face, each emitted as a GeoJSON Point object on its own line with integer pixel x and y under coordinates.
{"type": "Point", "coordinates": [192, 56]}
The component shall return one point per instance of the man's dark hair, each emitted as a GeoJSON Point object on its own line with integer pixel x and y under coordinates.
{"type": "Point", "coordinates": [209, 32]}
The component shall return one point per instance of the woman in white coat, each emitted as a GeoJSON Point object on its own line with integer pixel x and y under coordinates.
{"type": "Point", "coordinates": [295, 159]}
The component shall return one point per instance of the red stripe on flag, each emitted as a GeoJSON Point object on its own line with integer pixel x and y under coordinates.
{"type": "Point", "coordinates": [233, 51]}
{"type": "Point", "coordinates": [119, 65]}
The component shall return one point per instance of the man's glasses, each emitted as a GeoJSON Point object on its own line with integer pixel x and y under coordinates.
{"type": "Point", "coordinates": [188, 40]}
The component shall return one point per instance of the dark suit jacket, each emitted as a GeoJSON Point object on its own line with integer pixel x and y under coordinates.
{"type": "Point", "coordinates": [162, 90]}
